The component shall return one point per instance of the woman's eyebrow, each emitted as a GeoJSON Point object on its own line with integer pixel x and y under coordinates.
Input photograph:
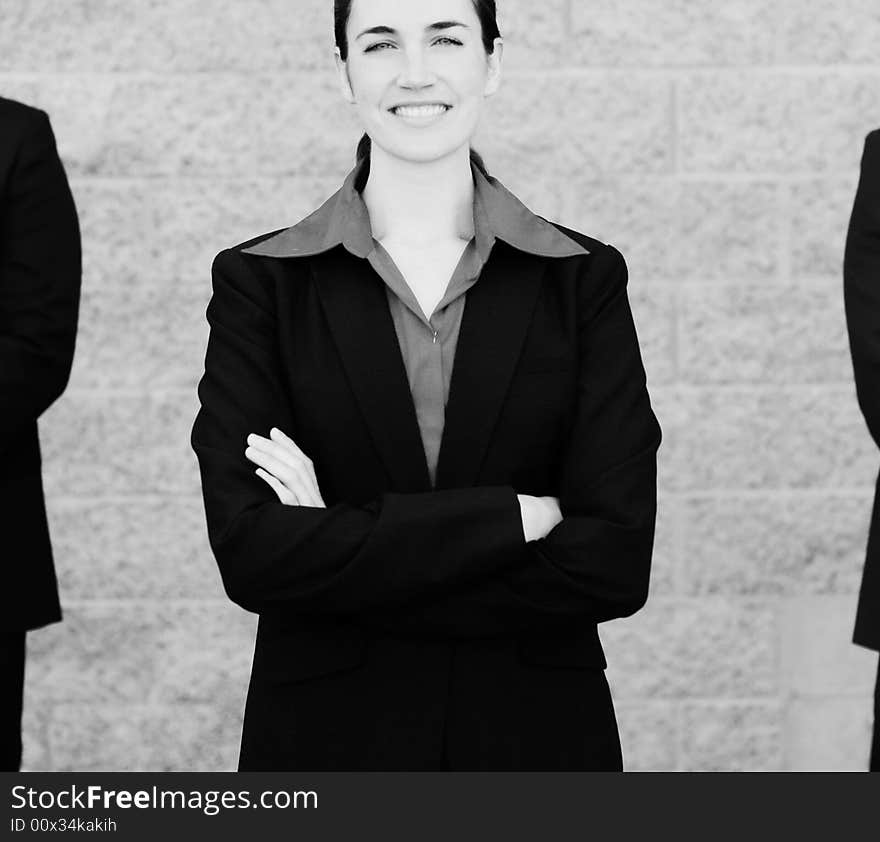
{"type": "Point", "coordinates": [434, 27]}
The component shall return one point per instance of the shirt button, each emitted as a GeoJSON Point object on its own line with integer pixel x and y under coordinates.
{"type": "Point", "coordinates": [435, 337]}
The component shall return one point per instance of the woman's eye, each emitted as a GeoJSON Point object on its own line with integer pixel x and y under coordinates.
{"type": "Point", "coordinates": [376, 47]}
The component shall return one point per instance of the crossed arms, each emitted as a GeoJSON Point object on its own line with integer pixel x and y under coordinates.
{"type": "Point", "coordinates": [453, 561]}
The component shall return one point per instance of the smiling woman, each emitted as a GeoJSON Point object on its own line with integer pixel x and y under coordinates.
{"type": "Point", "coordinates": [469, 45]}
{"type": "Point", "coordinates": [428, 455]}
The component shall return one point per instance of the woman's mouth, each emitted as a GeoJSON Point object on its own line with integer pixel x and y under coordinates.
{"type": "Point", "coordinates": [420, 114]}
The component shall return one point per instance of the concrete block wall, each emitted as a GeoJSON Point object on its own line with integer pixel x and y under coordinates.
{"type": "Point", "coordinates": [716, 144]}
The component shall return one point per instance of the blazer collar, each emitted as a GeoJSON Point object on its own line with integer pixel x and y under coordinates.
{"type": "Point", "coordinates": [493, 330]}
{"type": "Point", "coordinates": [343, 219]}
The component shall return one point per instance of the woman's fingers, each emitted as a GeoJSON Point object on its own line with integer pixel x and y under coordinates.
{"type": "Point", "coordinates": [282, 450]}
{"type": "Point", "coordinates": [282, 447]}
{"type": "Point", "coordinates": [293, 460]}
{"type": "Point", "coordinates": [290, 475]}
{"type": "Point", "coordinates": [280, 437]}
{"type": "Point", "coordinates": [285, 495]}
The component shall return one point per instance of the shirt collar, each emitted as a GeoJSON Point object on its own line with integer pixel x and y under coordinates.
{"type": "Point", "coordinates": [344, 219]}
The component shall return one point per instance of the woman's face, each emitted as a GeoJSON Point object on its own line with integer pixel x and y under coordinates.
{"type": "Point", "coordinates": [410, 61]}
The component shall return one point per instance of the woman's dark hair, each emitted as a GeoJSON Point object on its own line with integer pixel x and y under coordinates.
{"type": "Point", "coordinates": [487, 14]}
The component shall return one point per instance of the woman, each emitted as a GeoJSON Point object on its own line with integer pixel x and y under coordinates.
{"type": "Point", "coordinates": [429, 547]}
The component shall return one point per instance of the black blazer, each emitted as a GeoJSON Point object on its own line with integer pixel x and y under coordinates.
{"type": "Point", "coordinates": [861, 284]}
{"type": "Point", "coordinates": [40, 270]}
{"type": "Point", "coordinates": [401, 615]}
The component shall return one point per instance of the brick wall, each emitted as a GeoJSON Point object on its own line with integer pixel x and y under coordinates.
{"type": "Point", "coordinates": [716, 144]}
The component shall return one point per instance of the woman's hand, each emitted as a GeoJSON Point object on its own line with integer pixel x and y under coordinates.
{"type": "Point", "coordinates": [286, 468]}
{"type": "Point", "coordinates": [539, 515]}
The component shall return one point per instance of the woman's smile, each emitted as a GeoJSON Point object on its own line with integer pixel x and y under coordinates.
{"type": "Point", "coordinates": [420, 115]}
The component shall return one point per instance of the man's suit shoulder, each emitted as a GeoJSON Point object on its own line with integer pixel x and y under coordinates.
{"type": "Point", "coordinates": [25, 130]}
{"type": "Point", "coordinates": [872, 146]}
{"type": "Point", "coordinates": [20, 121]}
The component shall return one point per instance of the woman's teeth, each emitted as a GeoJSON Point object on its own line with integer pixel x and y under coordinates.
{"type": "Point", "coordinates": [420, 110]}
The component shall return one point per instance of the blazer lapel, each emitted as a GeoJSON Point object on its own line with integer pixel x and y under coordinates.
{"type": "Point", "coordinates": [497, 313]}
{"type": "Point", "coordinates": [354, 301]}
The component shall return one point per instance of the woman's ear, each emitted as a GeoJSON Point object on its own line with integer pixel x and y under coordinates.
{"type": "Point", "coordinates": [493, 79]}
{"type": "Point", "coordinates": [342, 72]}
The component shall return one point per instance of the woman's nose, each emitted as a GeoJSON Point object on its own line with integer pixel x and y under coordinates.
{"type": "Point", "coordinates": [416, 71]}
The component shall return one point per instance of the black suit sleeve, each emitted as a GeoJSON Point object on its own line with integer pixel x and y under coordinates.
{"type": "Point", "coordinates": [595, 564]}
{"type": "Point", "coordinates": [40, 273]}
{"type": "Point", "coordinates": [339, 560]}
{"type": "Point", "coordinates": [861, 286]}
{"type": "Point", "coordinates": [861, 279]}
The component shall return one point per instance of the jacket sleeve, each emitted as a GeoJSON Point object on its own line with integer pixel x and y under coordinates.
{"type": "Point", "coordinates": [595, 564]}
{"type": "Point", "coordinates": [40, 274]}
{"type": "Point", "coordinates": [343, 559]}
{"type": "Point", "coordinates": [861, 285]}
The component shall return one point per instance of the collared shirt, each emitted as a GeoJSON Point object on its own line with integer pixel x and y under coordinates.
{"type": "Point", "coordinates": [427, 343]}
